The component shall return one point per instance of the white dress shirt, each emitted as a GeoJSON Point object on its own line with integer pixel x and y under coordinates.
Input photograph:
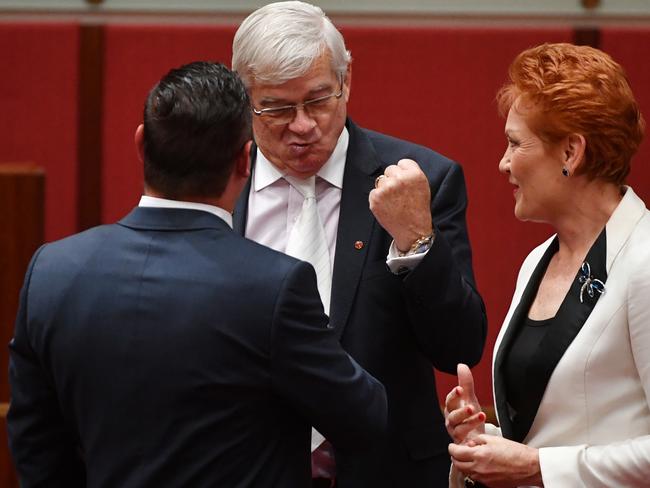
{"type": "Point", "coordinates": [274, 205]}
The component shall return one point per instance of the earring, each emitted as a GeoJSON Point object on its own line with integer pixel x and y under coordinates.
{"type": "Point", "coordinates": [565, 172]}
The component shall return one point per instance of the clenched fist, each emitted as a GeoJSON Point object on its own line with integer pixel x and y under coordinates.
{"type": "Point", "coordinates": [401, 203]}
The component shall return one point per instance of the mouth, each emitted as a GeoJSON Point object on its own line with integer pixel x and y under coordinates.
{"type": "Point", "coordinates": [299, 149]}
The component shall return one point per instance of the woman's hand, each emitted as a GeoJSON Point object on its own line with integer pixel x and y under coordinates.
{"type": "Point", "coordinates": [498, 462]}
{"type": "Point", "coordinates": [464, 418]}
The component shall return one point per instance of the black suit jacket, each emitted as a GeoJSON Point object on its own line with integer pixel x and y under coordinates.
{"type": "Point", "coordinates": [399, 326]}
{"type": "Point", "coordinates": [167, 351]}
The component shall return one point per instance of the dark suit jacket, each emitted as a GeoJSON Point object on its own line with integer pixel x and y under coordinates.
{"type": "Point", "coordinates": [166, 351]}
{"type": "Point", "coordinates": [398, 326]}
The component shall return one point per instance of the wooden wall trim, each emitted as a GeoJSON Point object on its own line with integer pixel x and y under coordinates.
{"type": "Point", "coordinates": [89, 144]}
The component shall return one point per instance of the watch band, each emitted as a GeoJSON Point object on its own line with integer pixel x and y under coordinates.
{"type": "Point", "coordinates": [421, 244]}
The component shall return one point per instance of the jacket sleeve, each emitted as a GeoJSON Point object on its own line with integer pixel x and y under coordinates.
{"type": "Point", "coordinates": [446, 312]}
{"type": "Point", "coordinates": [625, 463]}
{"type": "Point", "coordinates": [316, 376]}
{"type": "Point", "coordinates": [43, 447]}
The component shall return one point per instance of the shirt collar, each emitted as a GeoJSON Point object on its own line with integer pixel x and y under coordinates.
{"type": "Point", "coordinates": [148, 201]}
{"type": "Point", "coordinates": [265, 172]}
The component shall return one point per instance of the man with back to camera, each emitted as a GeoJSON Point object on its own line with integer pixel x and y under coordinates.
{"type": "Point", "coordinates": [373, 201]}
{"type": "Point", "coordinates": [166, 350]}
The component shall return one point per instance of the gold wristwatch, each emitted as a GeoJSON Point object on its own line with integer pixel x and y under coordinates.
{"type": "Point", "coordinates": [422, 244]}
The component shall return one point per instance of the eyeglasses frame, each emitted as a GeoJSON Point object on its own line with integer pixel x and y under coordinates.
{"type": "Point", "coordinates": [296, 106]}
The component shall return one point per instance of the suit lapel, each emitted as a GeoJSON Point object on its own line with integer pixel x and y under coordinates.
{"type": "Point", "coordinates": [241, 207]}
{"type": "Point", "coordinates": [566, 325]}
{"type": "Point", "coordinates": [356, 224]}
{"type": "Point", "coordinates": [516, 322]}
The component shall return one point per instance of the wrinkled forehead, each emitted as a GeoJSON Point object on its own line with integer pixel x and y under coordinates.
{"type": "Point", "coordinates": [319, 74]}
{"type": "Point", "coordinates": [276, 71]}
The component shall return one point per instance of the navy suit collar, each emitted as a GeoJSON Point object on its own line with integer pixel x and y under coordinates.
{"type": "Point", "coordinates": [171, 219]}
{"type": "Point", "coordinates": [568, 322]}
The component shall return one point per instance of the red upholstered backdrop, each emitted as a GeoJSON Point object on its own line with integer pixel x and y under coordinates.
{"type": "Point", "coordinates": [631, 48]}
{"type": "Point", "coordinates": [38, 91]}
{"type": "Point", "coordinates": [136, 57]}
{"type": "Point", "coordinates": [431, 85]}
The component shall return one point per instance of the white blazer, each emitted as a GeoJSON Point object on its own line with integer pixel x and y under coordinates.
{"type": "Point", "coordinates": [592, 427]}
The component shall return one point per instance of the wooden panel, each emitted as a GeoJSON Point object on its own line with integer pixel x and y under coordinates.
{"type": "Point", "coordinates": [22, 189]}
{"type": "Point", "coordinates": [89, 156]}
{"type": "Point", "coordinates": [7, 472]}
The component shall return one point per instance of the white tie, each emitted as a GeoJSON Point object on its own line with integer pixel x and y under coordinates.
{"type": "Point", "coordinates": [307, 240]}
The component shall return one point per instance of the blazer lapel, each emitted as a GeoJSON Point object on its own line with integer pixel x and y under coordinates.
{"type": "Point", "coordinates": [356, 224]}
{"type": "Point", "coordinates": [516, 322]}
{"type": "Point", "coordinates": [571, 316]}
{"type": "Point", "coordinates": [240, 213]}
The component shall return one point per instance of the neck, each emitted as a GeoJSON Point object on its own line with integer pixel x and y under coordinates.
{"type": "Point", "coordinates": [215, 201]}
{"type": "Point", "coordinates": [587, 209]}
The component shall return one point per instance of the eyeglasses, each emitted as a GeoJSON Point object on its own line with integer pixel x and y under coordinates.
{"type": "Point", "coordinates": [313, 108]}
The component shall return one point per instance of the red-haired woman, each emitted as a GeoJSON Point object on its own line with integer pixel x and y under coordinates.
{"type": "Point", "coordinates": [571, 364]}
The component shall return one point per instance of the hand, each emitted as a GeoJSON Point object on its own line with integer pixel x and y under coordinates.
{"type": "Point", "coordinates": [463, 416]}
{"type": "Point", "coordinates": [401, 203]}
{"type": "Point", "coordinates": [498, 462]}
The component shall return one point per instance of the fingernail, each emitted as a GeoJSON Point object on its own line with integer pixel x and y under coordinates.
{"type": "Point", "coordinates": [469, 410]}
{"type": "Point", "coordinates": [481, 417]}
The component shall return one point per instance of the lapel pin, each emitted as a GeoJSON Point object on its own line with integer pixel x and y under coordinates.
{"type": "Point", "coordinates": [358, 245]}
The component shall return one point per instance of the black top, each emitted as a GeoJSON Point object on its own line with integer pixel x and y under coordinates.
{"type": "Point", "coordinates": [545, 348]}
{"type": "Point", "coordinates": [528, 339]}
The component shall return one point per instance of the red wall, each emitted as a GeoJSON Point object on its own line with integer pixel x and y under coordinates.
{"type": "Point", "coordinates": [38, 111]}
{"type": "Point", "coordinates": [431, 85]}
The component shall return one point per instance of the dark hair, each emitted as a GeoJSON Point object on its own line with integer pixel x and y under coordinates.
{"type": "Point", "coordinates": [578, 89]}
{"type": "Point", "coordinates": [196, 121]}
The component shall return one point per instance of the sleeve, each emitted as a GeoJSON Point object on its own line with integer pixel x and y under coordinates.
{"type": "Point", "coordinates": [44, 450]}
{"type": "Point", "coordinates": [621, 464]}
{"type": "Point", "coordinates": [445, 310]}
{"type": "Point", "coordinates": [316, 376]}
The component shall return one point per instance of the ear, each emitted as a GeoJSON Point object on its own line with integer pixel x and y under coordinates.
{"type": "Point", "coordinates": [574, 152]}
{"type": "Point", "coordinates": [139, 142]}
{"type": "Point", "coordinates": [243, 162]}
{"type": "Point", "coordinates": [347, 82]}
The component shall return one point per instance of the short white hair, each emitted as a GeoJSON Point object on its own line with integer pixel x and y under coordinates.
{"type": "Point", "coordinates": [280, 42]}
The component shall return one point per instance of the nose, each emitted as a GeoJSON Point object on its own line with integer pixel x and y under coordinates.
{"type": "Point", "coordinates": [302, 123]}
{"type": "Point", "coordinates": [504, 164]}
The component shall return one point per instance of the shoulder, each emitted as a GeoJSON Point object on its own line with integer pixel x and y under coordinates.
{"type": "Point", "coordinates": [71, 247]}
{"type": "Point", "coordinates": [253, 251]}
{"type": "Point", "coordinates": [531, 260]}
{"type": "Point", "coordinates": [636, 253]}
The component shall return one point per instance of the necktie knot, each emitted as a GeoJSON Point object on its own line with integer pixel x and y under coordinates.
{"type": "Point", "coordinates": [306, 187]}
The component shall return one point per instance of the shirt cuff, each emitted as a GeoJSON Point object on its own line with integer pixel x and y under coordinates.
{"type": "Point", "coordinates": [400, 264]}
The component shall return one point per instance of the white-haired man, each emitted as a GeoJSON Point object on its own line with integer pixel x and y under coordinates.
{"type": "Point", "coordinates": [375, 206]}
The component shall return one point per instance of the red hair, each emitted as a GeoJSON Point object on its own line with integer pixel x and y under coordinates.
{"type": "Point", "coordinates": [582, 90]}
